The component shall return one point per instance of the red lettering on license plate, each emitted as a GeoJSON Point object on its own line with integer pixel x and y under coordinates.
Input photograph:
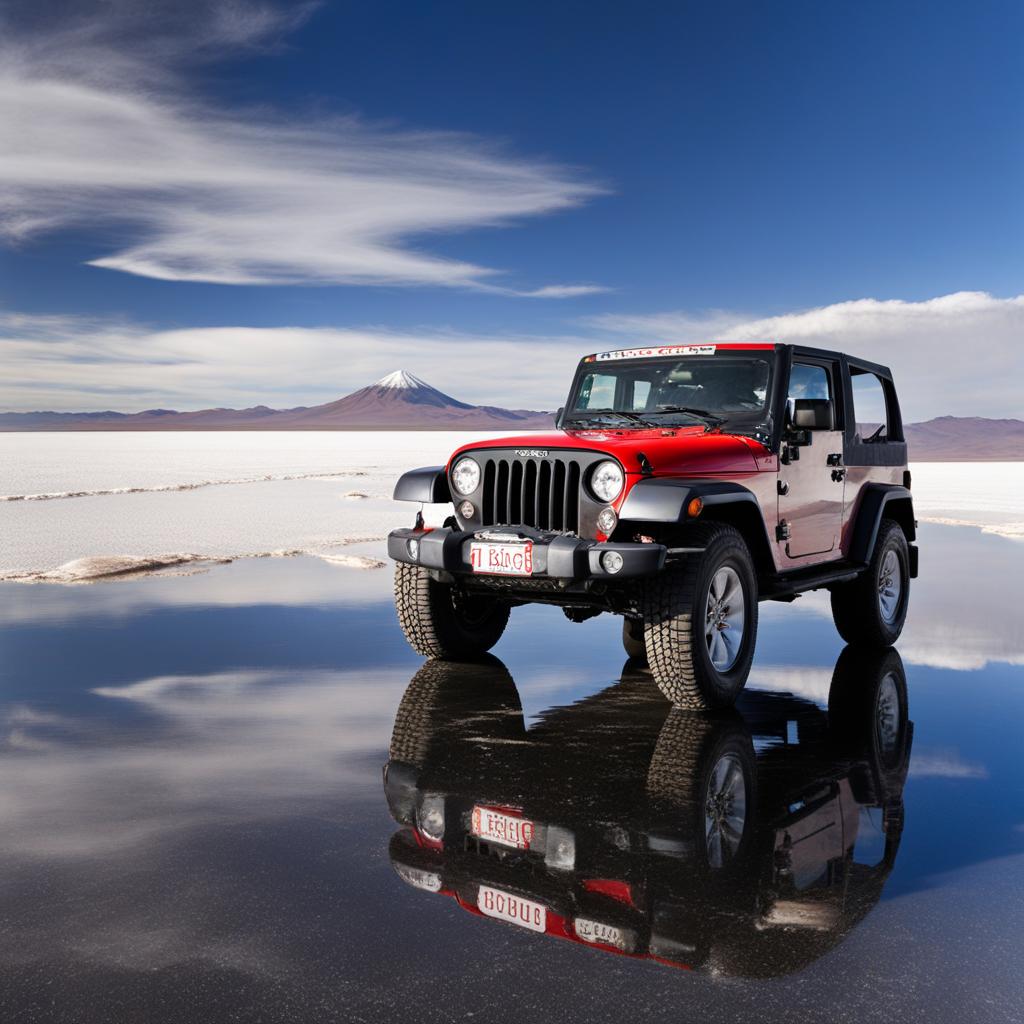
{"type": "Point", "coordinates": [502, 559]}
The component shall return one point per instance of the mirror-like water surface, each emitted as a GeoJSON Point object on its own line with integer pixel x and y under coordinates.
{"type": "Point", "coordinates": [194, 823]}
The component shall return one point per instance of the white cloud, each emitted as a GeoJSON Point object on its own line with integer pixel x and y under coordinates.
{"type": "Point", "coordinates": [946, 764]}
{"type": "Point", "coordinates": [564, 291]}
{"type": "Point", "coordinates": [808, 681]}
{"type": "Point", "coordinates": [66, 363]}
{"type": "Point", "coordinates": [958, 354]}
{"type": "Point", "coordinates": [230, 755]}
{"type": "Point", "coordinates": [98, 131]}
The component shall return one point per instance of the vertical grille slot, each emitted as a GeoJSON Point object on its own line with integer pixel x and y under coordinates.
{"type": "Point", "coordinates": [556, 515]}
{"type": "Point", "coordinates": [501, 509]}
{"type": "Point", "coordinates": [515, 495]}
{"type": "Point", "coordinates": [489, 491]}
{"type": "Point", "coordinates": [530, 492]}
{"type": "Point", "coordinates": [571, 498]}
{"type": "Point", "coordinates": [543, 496]}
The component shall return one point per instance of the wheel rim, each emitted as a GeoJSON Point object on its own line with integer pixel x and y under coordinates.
{"type": "Point", "coordinates": [887, 716]}
{"type": "Point", "coordinates": [890, 586]}
{"type": "Point", "coordinates": [725, 811]}
{"type": "Point", "coordinates": [724, 618]}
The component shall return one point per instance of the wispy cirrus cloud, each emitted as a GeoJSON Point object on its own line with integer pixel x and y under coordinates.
{"type": "Point", "coordinates": [959, 354]}
{"type": "Point", "coordinates": [99, 130]}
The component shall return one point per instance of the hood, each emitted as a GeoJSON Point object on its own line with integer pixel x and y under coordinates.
{"type": "Point", "coordinates": [670, 451]}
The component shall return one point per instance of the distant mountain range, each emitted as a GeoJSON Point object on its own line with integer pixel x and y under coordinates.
{"type": "Point", "coordinates": [401, 401]}
{"type": "Point", "coordinates": [398, 401]}
{"type": "Point", "coordinates": [965, 439]}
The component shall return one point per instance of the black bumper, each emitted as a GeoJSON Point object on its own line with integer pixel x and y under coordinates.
{"type": "Point", "coordinates": [554, 556]}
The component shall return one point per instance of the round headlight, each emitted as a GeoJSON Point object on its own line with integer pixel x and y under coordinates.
{"type": "Point", "coordinates": [606, 482]}
{"type": "Point", "coordinates": [430, 816]}
{"type": "Point", "coordinates": [466, 476]}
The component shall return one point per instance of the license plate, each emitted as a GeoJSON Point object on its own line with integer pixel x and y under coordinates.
{"type": "Point", "coordinates": [501, 559]}
{"type": "Point", "coordinates": [601, 934]}
{"type": "Point", "coordinates": [505, 829]}
{"type": "Point", "coordinates": [514, 909]}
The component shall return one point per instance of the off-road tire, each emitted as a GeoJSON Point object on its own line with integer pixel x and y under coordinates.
{"type": "Point", "coordinates": [689, 747]}
{"type": "Point", "coordinates": [438, 624]}
{"type": "Point", "coordinates": [675, 605]}
{"type": "Point", "coordinates": [855, 605]}
{"type": "Point", "coordinates": [446, 708]}
{"type": "Point", "coordinates": [869, 721]}
{"type": "Point", "coordinates": [633, 639]}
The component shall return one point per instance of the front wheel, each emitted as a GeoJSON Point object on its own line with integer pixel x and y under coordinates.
{"type": "Point", "coordinates": [700, 621]}
{"type": "Point", "coordinates": [870, 610]}
{"type": "Point", "coordinates": [439, 622]}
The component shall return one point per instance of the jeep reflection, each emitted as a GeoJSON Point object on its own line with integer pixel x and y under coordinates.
{"type": "Point", "coordinates": [682, 485]}
{"type": "Point", "coordinates": [746, 843]}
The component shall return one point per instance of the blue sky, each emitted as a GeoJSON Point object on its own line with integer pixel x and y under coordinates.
{"type": "Point", "coordinates": [445, 185]}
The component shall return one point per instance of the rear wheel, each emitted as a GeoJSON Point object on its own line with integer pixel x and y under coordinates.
{"type": "Point", "coordinates": [870, 610]}
{"type": "Point", "coordinates": [439, 622]}
{"type": "Point", "coordinates": [633, 639]}
{"type": "Point", "coordinates": [703, 778]}
{"type": "Point", "coordinates": [700, 621]}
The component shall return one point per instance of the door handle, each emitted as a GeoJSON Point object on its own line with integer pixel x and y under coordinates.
{"type": "Point", "coordinates": [835, 459]}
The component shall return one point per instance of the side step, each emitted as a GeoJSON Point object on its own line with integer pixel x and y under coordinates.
{"type": "Point", "coordinates": [786, 586]}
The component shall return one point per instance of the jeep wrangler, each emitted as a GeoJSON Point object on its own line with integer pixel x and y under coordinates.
{"type": "Point", "coordinates": [682, 485]}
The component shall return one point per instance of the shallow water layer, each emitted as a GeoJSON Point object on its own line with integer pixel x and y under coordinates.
{"type": "Point", "coordinates": [194, 825]}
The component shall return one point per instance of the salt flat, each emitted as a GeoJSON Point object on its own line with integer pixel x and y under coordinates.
{"type": "Point", "coordinates": [81, 507]}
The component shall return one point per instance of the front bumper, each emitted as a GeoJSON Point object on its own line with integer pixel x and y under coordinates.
{"type": "Point", "coordinates": [555, 556]}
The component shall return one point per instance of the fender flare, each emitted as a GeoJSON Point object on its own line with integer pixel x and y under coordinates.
{"type": "Point", "coordinates": [661, 499]}
{"type": "Point", "coordinates": [429, 484]}
{"type": "Point", "coordinates": [664, 500]}
{"type": "Point", "coordinates": [877, 501]}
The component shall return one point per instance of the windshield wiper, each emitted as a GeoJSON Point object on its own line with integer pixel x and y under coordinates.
{"type": "Point", "coordinates": [599, 414]}
{"type": "Point", "coordinates": [710, 420]}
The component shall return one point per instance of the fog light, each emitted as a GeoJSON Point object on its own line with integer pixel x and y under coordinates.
{"type": "Point", "coordinates": [418, 878]}
{"type": "Point", "coordinates": [412, 545]}
{"type": "Point", "coordinates": [611, 561]}
{"type": "Point", "coordinates": [601, 934]}
{"type": "Point", "coordinates": [607, 520]}
{"type": "Point", "coordinates": [560, 852]}
{"type": "Point", "coordinates": [430, 817]}
{"type": "Point", "coordinates": [466, 510]}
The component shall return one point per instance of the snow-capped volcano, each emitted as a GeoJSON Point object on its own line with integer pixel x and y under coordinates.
{"type": "Point", "coordinates": [401, 399]}
{"type": "Point", "coordinates": [400, 379]}
{"type": "Point", "coordinates": [400, 386]}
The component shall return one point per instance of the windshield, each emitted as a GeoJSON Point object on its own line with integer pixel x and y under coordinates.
{"type": "Point", "coordinates": [716, 391]}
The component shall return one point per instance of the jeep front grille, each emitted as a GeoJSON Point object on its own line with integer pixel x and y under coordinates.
{"type": "Point", "coordinates": [542, 493]}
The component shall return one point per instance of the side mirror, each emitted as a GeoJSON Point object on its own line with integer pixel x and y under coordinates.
{"type": "Point", "coordinates": [558, 415]}
{"type": "Point", "coordinates": [813, 414]}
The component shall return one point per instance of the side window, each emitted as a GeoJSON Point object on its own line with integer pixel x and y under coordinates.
{"type": "Point", "coordinates": [807, 380]}
{"type": "Point", "coordinates": [597, 392]}
{"type": "Point", "coordinates": [869, 408]}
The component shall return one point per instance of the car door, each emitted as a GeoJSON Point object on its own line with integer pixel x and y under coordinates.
{"type": "Point", "coordinates": [810, 478]}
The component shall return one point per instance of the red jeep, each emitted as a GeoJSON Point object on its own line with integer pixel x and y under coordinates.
{"type": "Point", "coordinates": [683, 484]}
